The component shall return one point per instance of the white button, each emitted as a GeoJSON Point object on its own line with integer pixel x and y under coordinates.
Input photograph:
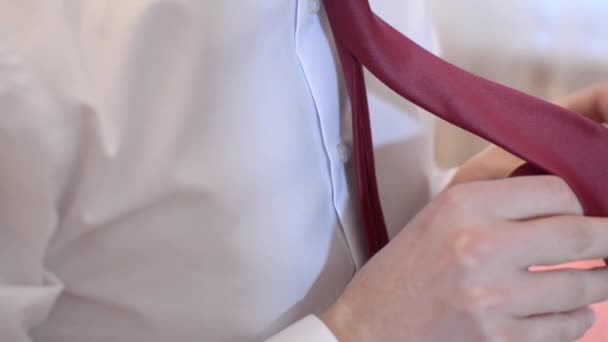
{"type": "Point", "coordinates": [344, 152]}
{"type": "Point", "coordinates": [314, 6]}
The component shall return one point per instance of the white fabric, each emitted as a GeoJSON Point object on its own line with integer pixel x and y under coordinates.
{"type": "Point", "coordinates": [179, 170]}
{"type": "Point", "coordinates": [307, 329]}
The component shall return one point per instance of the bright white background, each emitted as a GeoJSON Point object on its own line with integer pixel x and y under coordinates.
{"type": "Point", "coordinates": [543, 47]}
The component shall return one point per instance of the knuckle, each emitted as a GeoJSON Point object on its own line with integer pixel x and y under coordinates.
{"type": "Point", "coordinates": [578, 236]}
{"type": "Point", "coordinates": [481, 304]}
{"type": "Point", "coordinates": [455, 199]}
{"type": "Point", "coordinates": [469, 247]}
{"type": "Point", "coordinates": [500, 337]}
{"type": "Point", "coordinates": [558, 188]}
{"type": "Point", "coordinates": [555, 184]}
{"type": "Point", "coordinates": [511, 333]}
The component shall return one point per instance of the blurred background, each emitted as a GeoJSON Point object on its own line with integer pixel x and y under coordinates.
{"type": "Point", "coordinates": [543, 47]}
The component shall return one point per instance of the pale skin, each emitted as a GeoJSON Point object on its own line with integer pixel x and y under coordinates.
{"type": "Point", "coordinates": [460, 270]}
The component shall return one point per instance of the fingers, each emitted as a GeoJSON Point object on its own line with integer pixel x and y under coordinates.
{"type": "Point", "coordinates": [554, 240]}
{"type": "Point", "coordinates": [491, 163]}
{"type": "Point", "coordinates": [591, 102]}
{"type": "Point", "coordinates": [557, 291]}
{"type": "Point", "coordinates": [564, 327]}
{"type": "Point", "coordinates": [518, 198]}
{"type": "Point", "coordinates": [522, 198]}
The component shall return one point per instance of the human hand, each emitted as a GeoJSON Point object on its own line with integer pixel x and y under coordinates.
{"type": "Point", "coordinates": [496, 163]}
{"type": "Point", "coordinates": [460, 270]}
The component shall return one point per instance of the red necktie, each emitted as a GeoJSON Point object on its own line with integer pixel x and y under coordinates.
{"type": "Point", "coordinates": [549, 137]}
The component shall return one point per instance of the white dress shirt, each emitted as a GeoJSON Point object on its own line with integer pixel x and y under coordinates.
{"type": "Point", "coordinates": [180, 170]}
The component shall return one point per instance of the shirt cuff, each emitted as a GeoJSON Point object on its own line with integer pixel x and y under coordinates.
{"type": "Point", "coordinates": [308, 329]}
{"type": "Point", "coordinates": [441, 178]}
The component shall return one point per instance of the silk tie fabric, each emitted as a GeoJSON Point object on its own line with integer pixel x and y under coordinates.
{"type": "Point", "coordinates": [550, 138]}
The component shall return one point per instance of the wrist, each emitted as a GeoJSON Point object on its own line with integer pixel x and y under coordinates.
{"type": "Point", "coordinates": [340, 320]}
{"type": "Point", "coordinates": [335, 323]}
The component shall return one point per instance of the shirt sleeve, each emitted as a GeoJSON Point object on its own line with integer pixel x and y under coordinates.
{"type": "Point", "coordinates": [310, 328]}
